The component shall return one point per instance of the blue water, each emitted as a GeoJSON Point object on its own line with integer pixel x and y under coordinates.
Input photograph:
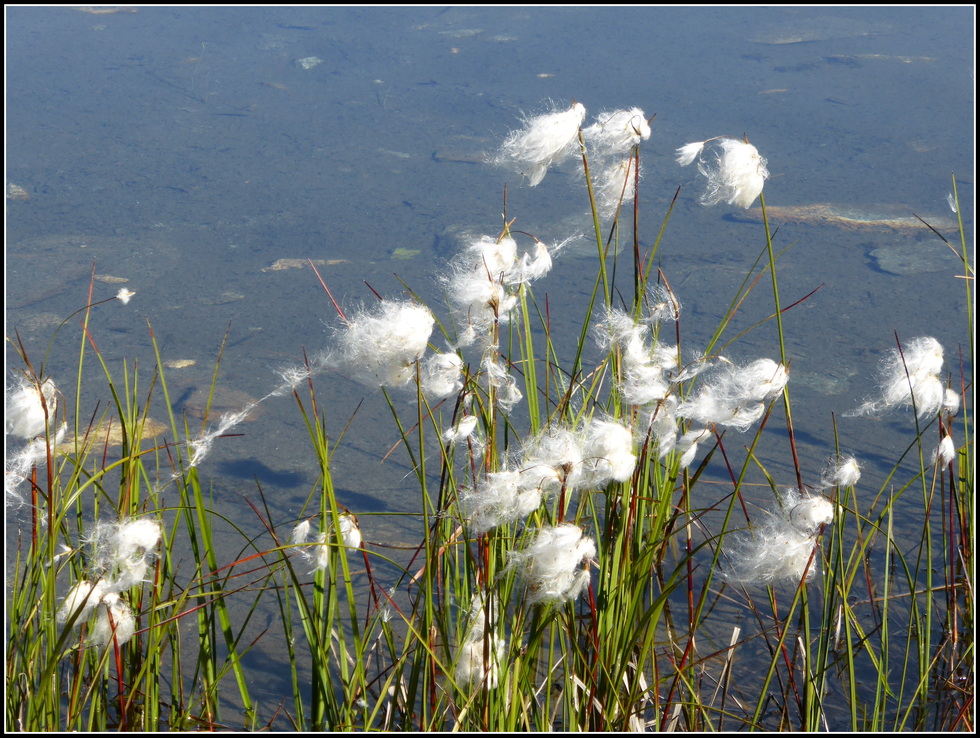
{"type": "Point", "coordinates": [187, 149]}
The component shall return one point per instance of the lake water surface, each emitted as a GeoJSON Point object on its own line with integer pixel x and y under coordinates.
{"type": "Point", "coordinates": [187, 150]}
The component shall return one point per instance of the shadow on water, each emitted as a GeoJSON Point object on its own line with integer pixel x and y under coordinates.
{"type": "Point", "coordinates": [253, 469]}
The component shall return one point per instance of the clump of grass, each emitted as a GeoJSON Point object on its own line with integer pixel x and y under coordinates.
{"type": "Point", "coordinates": [579, 567]}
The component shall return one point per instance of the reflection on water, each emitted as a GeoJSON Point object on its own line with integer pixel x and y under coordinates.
{"type": "Point", "coordinates": [188, 151]}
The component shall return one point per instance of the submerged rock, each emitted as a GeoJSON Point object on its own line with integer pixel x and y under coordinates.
{"type": "Point", "coordinates": [915, 258]}
{"type": "Point", "coordinates": [895, 218]}
{"type": "Point", "coordinates": [807, 30]}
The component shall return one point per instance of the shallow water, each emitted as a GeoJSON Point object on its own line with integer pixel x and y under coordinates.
{"type": "Point", "coordinates": [187, 150]}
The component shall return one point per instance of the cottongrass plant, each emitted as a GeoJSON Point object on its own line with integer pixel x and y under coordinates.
{"type": "Point", "coordinates": [737, 174]}
{"type": "Point", "coordinates": [782, 547]}
{"type": "Point", "coordinates": [29, 409]}
{"type": "Point", "coordinates": [106, 630]}
{"type": "Point", "coordinates": [545, 141]}
{"type": "Point", "coordinates": [910, 376]}
{"type": "Point", "coordinates": [580, 567]}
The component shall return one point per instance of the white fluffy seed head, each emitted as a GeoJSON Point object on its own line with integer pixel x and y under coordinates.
{"type": "Point", "coordinates": [545, 141]}
{"type": "Point", "coordinates": [608, 452]}
{"type": "Point", "coordinates": [951, 401]}
{"type": "Point", "coordinates": [504, 497]}
{"type": "Point", "coordinates": [763, 379]}
{"type": "Point", "coordinates": [471, 664]}
{"type": "Point", "coordinates": [910, 377]}
{"type": "Point", "coordinates": [688, 444]}
{"type": "Point", "coordinates": [616, 132]}
{"type": "Point", "coordinates": [615, 183]}
{"type": "Point", "coordinates": [736, 177]}
{"type": "Point", "coordinates": [560, 448]}
{"type": "Point", "coordinates": [350, 532]}
{"type": "Point", "coordinates": [25, 413]}
{"type": "Point", "coordinates": [733, 396]}
{"type": "Point", "coordinates": [441, 376]}
{"type": "Point", "coordinates": [553, 564]}
{"type": "Point", "coordinates": [709, 407]}
{"type": "Point", "coordinates": [381, 346]}
{"type": "Point", "coordinates": [782, 546]}
{"type": "Point", "coordinates": [319, 555]}
{"type": "Point", "coordinates": [945, 453]}
{"type": "Point", "coordinates": [301, 533]}
{"type": "Point", "coordinates": [842, 471]}
{"type": "Point", "coordinates": [137, 537]}
{"type": "Point", "coordinates": [483, 614]}
{"type": "Point", "coordinates": [81, 601]}
{"type": "Point", "coordinates": [776, 552]}
{"type": "Point", "coordinates": [493, 257]}
{"type": "Point", "coordinates": [482, 281]}
{"type": "Point", "coordinates": [687, 153]}
{"type": "Point", "coordinates": [533, 265]}
{"type": "Point", "coordinates": [115, 619]}
{"type": "Point", "coordinates": [922, 356]}
{"type": "Point", "coordinates": [461, 431]}
{"type": "Point", "coordinates": [812, 512]}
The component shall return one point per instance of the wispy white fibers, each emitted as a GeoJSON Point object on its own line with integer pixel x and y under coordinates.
{"type": "Point", "coordinates": [782, 545]}
{"type": "Point", "coordinates": [81, 601]}
{"type": "Point", "coordinates": [650, 373]}
{"type": "Point", "coordinates": [316, 546]}
{"type": "Point", "coordinates": [114, 621]}
{"type": "Point", "coordinates": [484, 280]}
{"type": "Point", "coordinates": [645, 365]}
{"type": "Point", "coordinates": [911, 377]}
{"type": "Point", "coordinates": [558, 448]}
{"type": "Point", "coordinates": [733, 396]}
{"type": "Point", "coordinates": [381, 346]}
{"type": "Point", "coordinates": [479, 641]}
{"type": "Point", "coordinates": [123, 551]}
{"type": "Point", "coordinates": [471, 664]}
{"type": "Point", "coordinates": [737, 174]}
{"type": "Point", "coordinates": [614, 183]}
{"type": "Point", "coordinates": [350, 531]}
{"type": "Point", "coordinates": [134, 546]}
{"type": "Point", "coordinates": [200, 446]}
{"type": "Point", "coordinates": [290, 380]}
{"type": "Point", "coordinates": [292, 377]}
{"type": "Point", "coordinates": [442, 376]}
{"type": "Point", "coordinates": [121, 554]}
{"type": "Point", "coordinates": [461, 431]}
{"type": "Point", "coordinates": [505, 497]}
{"type": "Point", "coordinates": [687, 153]}
{"type": "Point", "coordinates": [660, 305]}
{"type": "Point", "coordinates": [477, 282]}
{"type": "Point", "coordinates": [808, 513]}
{"type": "Point", "coordinates": [544, 141]}
{"type": "Point", "coordinates": [560, 457]}
{"type": "Point", "coordinates": [608, 453]}
{"type": "Point", "coordinates": [506, 392]}
{"type": "Point", "coordinates": [534, 265]}
{"type": "Point", "coordinates": [557, 564]}
{"type": "Point", "coordinates": [29, 408]}
{"type": "Point", "coordinates": [945, 452]}
{"type": "Point", "coordinates": [840, 471]}
{"type": "Point", "coordinates": [617, 131]}
{"type": "Point", "coordinates": [124, 296]}
{"type": "Point", "coordinates": [687, 445]}
{"type": "Point", "coordinates": [18, 464]}
{"type": "Point", "coordinates": [610, 141]}
{"type": "Point", "coordinates": [590, 456]}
